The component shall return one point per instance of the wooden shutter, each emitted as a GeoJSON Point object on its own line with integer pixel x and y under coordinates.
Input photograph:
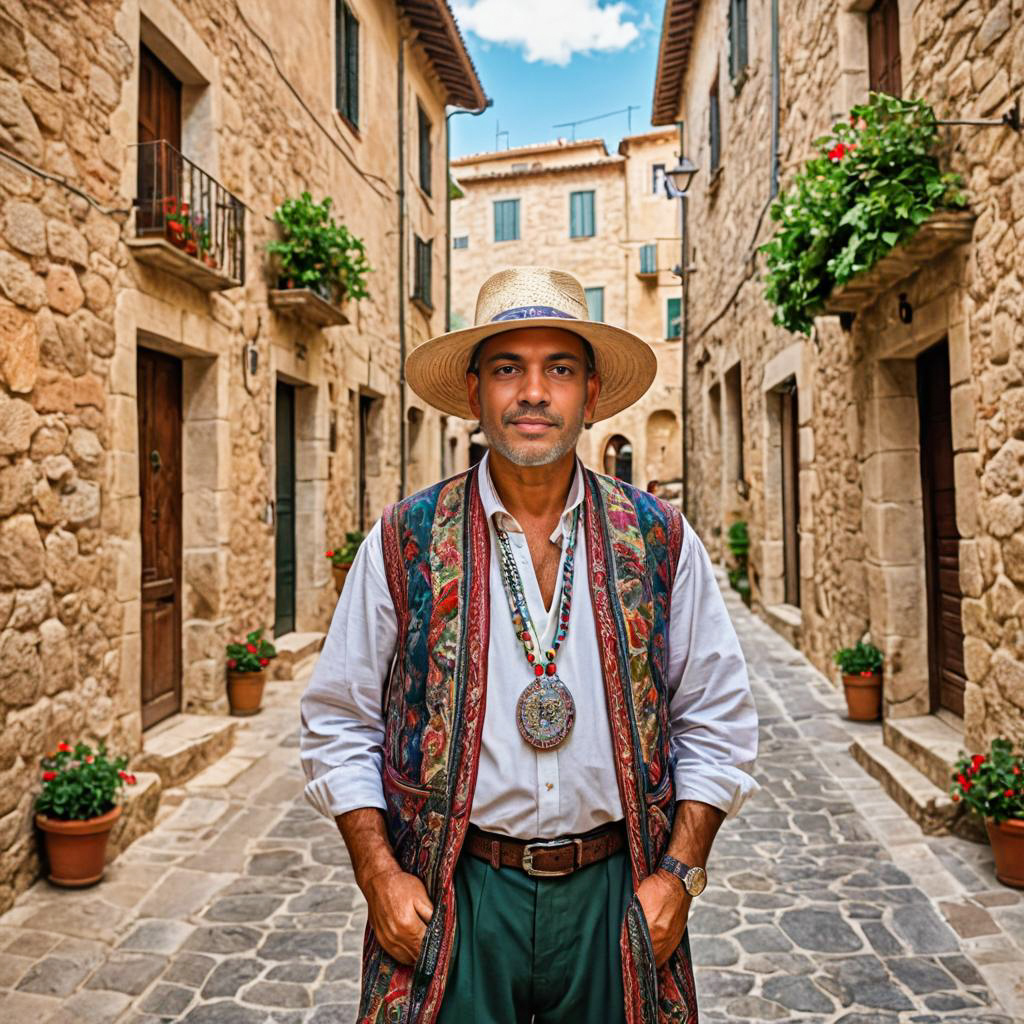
{"type": "Point", "coordinates": [737, 37]}
{"type": "Point", "coordinates": [425, 168]}
{"type": "Point", "coordinates": [649, 258]}
{"type": "Point", "coordinates": [581, 214]}
{"type": "Point", "coordinates": [885, 72]}
{"type": "Point", "coordinates": [352, 65]}
{"type": "Point", "coordinates": [595, 303]}
{"type": "Point", "coordinates": [673, 328]}
{"type": "Point", "coordinates": [714, 128]}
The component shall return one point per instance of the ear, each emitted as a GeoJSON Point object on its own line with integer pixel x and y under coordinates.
{"type": "Point", "coordinates": [473, 393]}
{"type": "Point", "coordinates": [593, 393]}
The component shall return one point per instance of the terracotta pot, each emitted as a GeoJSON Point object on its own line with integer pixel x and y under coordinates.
{"type": "Point", "coordinates": [864, 697]}
{"type": "Point", "coordinates": [76, 850]}
{"type": "Point", "coordinates": [210, 260]}
{"type": "Point", "coordinates": [340, 572]}
{"type": "Point", "coordinates": [1007, 842]}
{"type": "Point", "coordinates": [245, 691]}
{"type": "Point", "coordinates": [191, 247]}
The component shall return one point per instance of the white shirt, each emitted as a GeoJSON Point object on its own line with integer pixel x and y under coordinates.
{"type": "Point", "coordinates": [520, 791]}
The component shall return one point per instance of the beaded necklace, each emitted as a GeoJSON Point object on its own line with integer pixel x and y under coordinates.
{"type": "Point", "coordinates": [545, 711]}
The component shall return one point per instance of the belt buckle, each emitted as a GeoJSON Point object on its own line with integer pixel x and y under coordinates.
{"type": "Point", "coordinates": [528, 850]}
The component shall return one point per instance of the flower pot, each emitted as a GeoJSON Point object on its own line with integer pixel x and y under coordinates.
{"type": "Point", "coordinates": [176, 234]}
{"type": "Point", "coordinates": [1007, 841]}
{"type": "Point", "coordinates": [191, 248]}
{"type": "Point", "coordinates": [340, 572]}
{"type": "Point", "coordinates": [210, 260]}
{"type": "Point", "coordinates": [864, 697]}
{"type": "Point", "coordinates": [245, 691]}
{"type": "Point", "coordinates": [76, 850]}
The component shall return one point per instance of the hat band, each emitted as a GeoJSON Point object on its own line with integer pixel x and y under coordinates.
{"type": "Point", "coordinates": [531, 313]}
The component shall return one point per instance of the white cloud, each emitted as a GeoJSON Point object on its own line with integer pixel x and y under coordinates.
{"type": "Point", "coordinates": [549, 30]}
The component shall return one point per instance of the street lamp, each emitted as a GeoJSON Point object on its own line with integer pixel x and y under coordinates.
{"type": "Point", "coordinates": [678, 178]}
{"type": "Point", "coordinates": [677, 183]}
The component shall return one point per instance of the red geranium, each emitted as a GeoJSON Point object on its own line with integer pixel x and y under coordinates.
{"type": "Point", "coordinates": [63, 747]}
{"type": "Point", "coordinates": [49, 776]}
{"type": "Point", "coordinates": [79, 783]}
{"type": "Point", "coordinates": [251, 655]}
{"type": "Point", "coordinates": [988, 784]}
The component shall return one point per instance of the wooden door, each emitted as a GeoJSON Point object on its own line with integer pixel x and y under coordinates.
{"type": "Point", "coordinates": [942, 540]}
{"type": "Point", "coordinates": [791, 493]}
{"type": "Point", "coordinates": [284, 549]}
{"type": "Point", "coordinates": [159, 120]}
{"type": "Point", "coordinates": [885, 73]}
{"type": "Point", "coordinates": [159, 413]}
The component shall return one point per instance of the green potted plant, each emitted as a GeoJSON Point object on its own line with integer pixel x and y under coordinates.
{"type": "Point", "coordinates": [343, 557]}
{"type": "Point", "coordinates": [861, 668]}
{"type": "Point", "coordinates": [993, 787]}
{"type": "Point", "coordinates": [76, 809]}
{"type": "Point", "coordinates": [247, 672]}
{"type": "Point", "coordinates": [738, 540]}
{"type": "Point", "coordinates": [316, 252]}
{"type": "Point", "coordinates": [874, 181]}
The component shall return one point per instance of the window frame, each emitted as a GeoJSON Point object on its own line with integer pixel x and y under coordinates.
{"type": "Point", "coordinates": [424, 127]}
{"type": "Point", "coordinates": [739, 40]}
{"type": "Point", "coordinates": [504, 204]}
{"type": "Point", "coordinates": [456, 239]}
{"type": "Point", "coordinates": [575, 199]}
{"type": "Point", "coordinates": [671, 317]}
{"type": "Point", "coordinates": [657, 183]}
{"type": "Point", "coordinates": [423, 257]}
{"type": "Point", "coordinates": [346, 63]}
{"type": "Point", "coordinates": [714, 130]}
{"type": "Point", "coordinates": [649, 258]}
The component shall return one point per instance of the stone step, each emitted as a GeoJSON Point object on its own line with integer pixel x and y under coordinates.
{"type": "Point", "coordinates": [182, 746]}
{"type": "Point", "coordinates": [928, 742]}
{"type": "Point", "coordinates": [928, 805]}
{"type": "Point", "coordinates": [138, 812]}
{"type": "Point", "coordinates": [292, 650]}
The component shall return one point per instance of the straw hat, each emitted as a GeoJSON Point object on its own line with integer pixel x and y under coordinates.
{"type": "Point", "coordinates": [531, 297]}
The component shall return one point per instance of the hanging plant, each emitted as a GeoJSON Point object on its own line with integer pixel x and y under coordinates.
{"type": "Point", "coordinates": [874, 182]}
{"type": "Point", "coordinates": [318, 253]}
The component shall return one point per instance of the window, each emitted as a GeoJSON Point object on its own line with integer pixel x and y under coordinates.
{"type": "Point", "coordinates": [460, 242]}
{"type": "Point", "coordinates": [734, 426]}
{"type": "Point", "coordinates": [737, 39]}
{"type": "Point", "coordinates": [421, 274]}
{"type": "Point", "coordinates": [714, 128]}
{"type": "Point", "coordinates": [649, 258]}
{"type": "Point", "coordinates": [425, 168]}
{"type": "Point", "coordinates": [673, 319]}
{"type": "Point", "coordinates": [595, 302]}
{"type": "Point", "coordinates": [884, 64]}
{"type": "Point", "coordinates": [658, 179]}
{"type": "Point", "coordinates": [581, 214]}
{"type": "Point", "coordinates": [618, 458]}
{"type": "Point", "coordinates": [346, 62]}
{"type": "Point", "coordinates": [506, 220]}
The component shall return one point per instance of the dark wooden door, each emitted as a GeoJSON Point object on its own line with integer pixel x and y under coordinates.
{"type": "Point", "coordinates": [159, 412]}
{"type": "Point", "coordinates": [284, 550]}
{"type": "Point", "coordinates": [159, 119]}
{"type": "Point", "coordinates": [885, 73]}
{"type": "Point", "coordinates": [942, 541]}
{"type": "Point", "coordinates": [791, 493]}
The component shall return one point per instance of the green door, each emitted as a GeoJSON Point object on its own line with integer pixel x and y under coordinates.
{"type": "Point", "coordinates": [284, 551]}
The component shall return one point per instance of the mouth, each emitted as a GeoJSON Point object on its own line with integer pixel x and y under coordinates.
{"type": "Point", "coordinates": [532, 426]}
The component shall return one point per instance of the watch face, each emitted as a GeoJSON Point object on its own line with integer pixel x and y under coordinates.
{"type": "Point", "coordinates": [696, 881]}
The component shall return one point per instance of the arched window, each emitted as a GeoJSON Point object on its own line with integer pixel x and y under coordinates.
{"type": "Point", "coordinates": [618, 458]}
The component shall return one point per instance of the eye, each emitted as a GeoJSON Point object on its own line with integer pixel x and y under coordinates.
{"type": "Point", "coordinates": [562, 371]}
{"type": "Point", "coordinates": [500, 371]}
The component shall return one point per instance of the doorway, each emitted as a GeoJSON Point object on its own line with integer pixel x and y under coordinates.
{"type": "Point", "coordinates": [159, 381]}
{"type": "Point", "coordinates": [790, 448]}
{"type": "Point", "coordinates": [618, 458]}
{"type": "Point", "coordinates": [947, 677]}
{"type": "Point", "coordinates": [284, 541]}
{"type": "Point", "coordinates": [159, 120]}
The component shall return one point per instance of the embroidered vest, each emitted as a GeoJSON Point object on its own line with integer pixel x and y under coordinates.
{"type": "Point", "coordinates": [437, 558]}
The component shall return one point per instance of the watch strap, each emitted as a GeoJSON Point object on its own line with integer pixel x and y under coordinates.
{"type": "Point", "coordinates": [677, 868]}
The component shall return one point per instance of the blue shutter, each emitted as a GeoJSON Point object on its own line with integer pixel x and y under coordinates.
{"type": "Point", "coordinates": [595, 303]}
{"type": "Point", "coordinates": [673, 326]}
{"type": "Point", "coordinates": [581, 214]}
{"type": "Point", "coordinates": [649, 258]}
{"type": "Point", "coordinates": [506, 220]}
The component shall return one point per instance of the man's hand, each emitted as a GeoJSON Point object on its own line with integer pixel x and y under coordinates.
{"type": "Point", "coordinates": [666, 905]}
{"type": "Point", "coordinates": [399, 909]}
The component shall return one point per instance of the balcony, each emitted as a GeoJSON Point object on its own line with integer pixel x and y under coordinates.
{"type": "Point", "coordinates": [186, 222]}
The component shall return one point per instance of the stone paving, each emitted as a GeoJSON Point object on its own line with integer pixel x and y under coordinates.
{"type": "Point", "coordinates": [826, 903]}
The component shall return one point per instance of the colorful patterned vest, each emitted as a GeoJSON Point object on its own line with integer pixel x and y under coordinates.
{"type": "Point", "coordinates": [437, 556]}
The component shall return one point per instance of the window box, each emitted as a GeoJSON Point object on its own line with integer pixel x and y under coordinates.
{"type": "Point", "coordinates": [306, 305]}
{"type": "Point", "coordinates": [942, 231]}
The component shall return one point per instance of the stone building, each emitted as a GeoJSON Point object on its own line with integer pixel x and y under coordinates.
{"type": "Point", "coordinates": [180, 441]}
{"type": "Point", "coordinates": [606, 219]}
{"type": "Point", "coordinates": [879, 463]}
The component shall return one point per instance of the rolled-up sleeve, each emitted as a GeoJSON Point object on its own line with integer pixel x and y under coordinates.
{"type": "Point", "coordinates": [713, 720]}
{"type": "Point", "coordinates": [341, 710]}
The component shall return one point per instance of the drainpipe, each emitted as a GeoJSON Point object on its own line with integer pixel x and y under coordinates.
{"type": "Point", "coordinates": [775, 100]}
{"type": "Point", "coordinates": [684, 328]}
{"type": "Point", "coordinates": [403, 469]}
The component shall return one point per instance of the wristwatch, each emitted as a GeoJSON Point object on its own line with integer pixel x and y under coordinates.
{"type": "Point", "coordinates": [695, 880]}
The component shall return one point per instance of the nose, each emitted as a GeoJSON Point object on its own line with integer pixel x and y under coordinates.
{"type": "Point", "coordinates": [533, 390]}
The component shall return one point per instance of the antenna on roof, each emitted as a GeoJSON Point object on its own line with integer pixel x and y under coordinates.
{"type": "Point", "coordinates": [628, 111]}
{"type": "Point", "coordinates": [497, 137]}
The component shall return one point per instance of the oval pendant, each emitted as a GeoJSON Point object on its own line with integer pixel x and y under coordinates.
{"type": "Point", "coordinates": [545, 713]}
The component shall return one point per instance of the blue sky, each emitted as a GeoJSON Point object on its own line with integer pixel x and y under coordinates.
{"type": "Point", "coordinates": [549, 61]}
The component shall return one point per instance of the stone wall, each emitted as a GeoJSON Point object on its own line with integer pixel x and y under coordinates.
{"type": "Point", "coordinates": [861, 544]}
{"type": "Point", "coordinates": [76, 305]}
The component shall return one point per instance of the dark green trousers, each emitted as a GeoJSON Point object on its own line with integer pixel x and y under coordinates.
{"type": "Point", "coordinates": [544, 950]}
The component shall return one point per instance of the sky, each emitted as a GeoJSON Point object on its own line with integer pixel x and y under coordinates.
{"type": "Point", "coordinates": [544, 62]}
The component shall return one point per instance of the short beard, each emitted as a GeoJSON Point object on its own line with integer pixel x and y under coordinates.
{"type": "Point", "coordinates": [529, 454]}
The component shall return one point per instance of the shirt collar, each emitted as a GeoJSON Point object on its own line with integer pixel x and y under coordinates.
{"type": "Point", "coordinates": [500, 516]}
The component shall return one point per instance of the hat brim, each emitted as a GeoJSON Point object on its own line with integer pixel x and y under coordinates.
{"type": "Point", "coordinates": [626, 364]}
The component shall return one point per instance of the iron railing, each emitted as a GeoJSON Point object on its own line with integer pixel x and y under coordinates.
{"type": "Point", "coordinates": [179, 201]}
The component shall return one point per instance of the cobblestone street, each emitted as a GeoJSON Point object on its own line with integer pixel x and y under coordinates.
{"type": "Point", "coordinates": [825, 902]}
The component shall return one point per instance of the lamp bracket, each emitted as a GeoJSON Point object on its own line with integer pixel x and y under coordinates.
{"type": "Point", "coordinates": [1010, 119]}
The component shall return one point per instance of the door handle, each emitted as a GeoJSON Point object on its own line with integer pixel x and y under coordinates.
{"type": "Point", "coordinates": [154, 460]}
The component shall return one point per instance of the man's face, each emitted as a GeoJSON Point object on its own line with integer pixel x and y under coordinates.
{"type": "Point", "coordinates": [533, 393]}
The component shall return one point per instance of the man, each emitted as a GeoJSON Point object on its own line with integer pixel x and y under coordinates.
{"type": "Point", "coordinates": [531, 713]}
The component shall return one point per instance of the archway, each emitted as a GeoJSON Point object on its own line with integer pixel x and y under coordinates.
{"type": "Point", "coordinates": [618, 458]}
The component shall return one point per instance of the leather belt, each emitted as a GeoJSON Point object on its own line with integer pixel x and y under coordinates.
{"type": "Point", "coordinates": [549, 858]}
